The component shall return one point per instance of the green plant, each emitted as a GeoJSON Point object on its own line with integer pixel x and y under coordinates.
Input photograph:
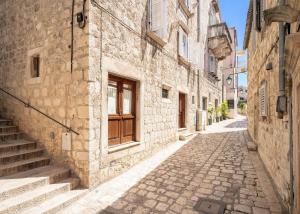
{"type": "Point", "coordinates": [210, 111]}
{"type": "Point", "coordinates": [225, 109]}
{"type": "Point", "coordinates": [242, 106]}
{"type": "Point", "coordinates": [219, 111]}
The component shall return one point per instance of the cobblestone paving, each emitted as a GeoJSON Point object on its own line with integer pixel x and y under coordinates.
{"type": "Point", "coordinates": [214, 166]}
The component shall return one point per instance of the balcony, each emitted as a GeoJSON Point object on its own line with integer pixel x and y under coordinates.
{"type": "Point", "coordinates": [219, 40]}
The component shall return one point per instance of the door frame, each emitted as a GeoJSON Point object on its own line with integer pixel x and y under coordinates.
{"type": "Point", "coordinates": [127, 71]}
{"type": "Point", "coordinates": [120, 116]}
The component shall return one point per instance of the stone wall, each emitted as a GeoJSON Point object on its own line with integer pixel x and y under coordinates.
{"type": "Point", "coordinates": [127, 52]}
{"type": "Point", "coordinates": [43, 27]}
{"type": "Point", "coordinates": [114, 41]}
{"type": "Point", "coordinates": [270, 133]}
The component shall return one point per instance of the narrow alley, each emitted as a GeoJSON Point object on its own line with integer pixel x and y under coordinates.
{"type": "Point", "coordinates": [214, 165]}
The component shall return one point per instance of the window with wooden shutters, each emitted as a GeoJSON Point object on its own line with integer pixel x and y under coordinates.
{"type": "Point", "coordinates": [158, 18]}
{"type": "Point", "coordinates": [258, 14]}
{"type": "Point", "coordinates": [263, 106]}
{"type": "Point", "coordinates": [183, 43]}
{"type": "Point", "coordinates": [198, 21]}
{"type": "Point", "coordinates": [188, 4]}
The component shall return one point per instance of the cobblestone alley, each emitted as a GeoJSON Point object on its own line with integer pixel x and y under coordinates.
{"type": "Point", "coordinates": [214, 165]}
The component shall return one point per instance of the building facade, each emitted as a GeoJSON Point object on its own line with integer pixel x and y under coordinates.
{"type": "Point", "coordinates": [273, 52]}
{"type": "Point", "coordinates": [230, 76]}
{"type": "Point", "coordinates": [127, 76]}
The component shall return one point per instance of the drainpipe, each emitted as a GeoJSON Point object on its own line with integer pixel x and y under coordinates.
{"type": "Point", "coordinates": [291, 146]}
{"type": "Point", "coordinates": [282, 99]}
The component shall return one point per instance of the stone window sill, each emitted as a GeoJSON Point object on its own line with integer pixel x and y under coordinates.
{"type": "Point", "coordinates": [184, 26]}
{"type": "Point", "coordinates": [153, 36]}
{"type": "Point", "coordinates": [166, 100]}
{"type": "Point", "coordinates": [121, 147]}
{"type": "Point", "coordinates": [36, 80]}
{"type": "Point", "coordinates": [182, 129]}
{"type": "Point", "coordinates": [185, 8]}
{"type": "Point", "coordinates": [183, 61]}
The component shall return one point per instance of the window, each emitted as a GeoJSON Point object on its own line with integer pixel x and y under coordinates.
{"type": "Point", "coordinates": [230, 104]}
{"type": "Point", "coordinates": [263, 109]}
{"type": "Point", "coordinates": [186, 6]}
{"type": "Point", "coordinates": [112, 97]}
{"type": "Point", "coordinates": [121, 101]}
{"type": "Point", "coordinates": [216, 103]}
{"type": "Point", "coordinates": [183, 44]}
{"type": "Point", "coordinates": [35, 66]}
{"type": "Point", "coordinates": [259, 7]}
{"type": "Point", "coordinates": [212, 17]}
{"type": "Point", "coordinates": [193, 99]}
{"type": "Point", "coordinates": [204, 103]}
{"type": "Point", "coordinates": [165, 93]}
{"type": "Point", "coordinates": [198, 21]}
{"type": "Point", "coordinates": [158, 17]}
{"type": "Point", "coordinates": [212, 64]}
{"type": "Point", "coordinates": [188, 3]}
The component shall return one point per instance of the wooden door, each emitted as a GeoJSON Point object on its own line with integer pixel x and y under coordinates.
{"type": "Point", "coordinates": [121, 110]}
{"type": "Point", "coordinates": [181, 119]}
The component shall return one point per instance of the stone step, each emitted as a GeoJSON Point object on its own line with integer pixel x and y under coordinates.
{"type": "Point", "coordinates": [15, 145]}
{"type": "Point", "coordinates": [19, 166]}
{"type": "Point", "coordinates": [185, 136]}
{"type": "Point", "coordinates": [5, 121]}
{"type": "Point", "coordinates": [10, 135]}
{"type": "Point", "coordinates": [251, 146]}
{"type": "Point", "coordinates": [57, 203]}
{"type": "Point", "coordinates": [74, 182]}
{"type": "Point", "coordinates": [32, 198]}
{"type": "Point", "coordinates": [6, 128]}
{"type": "Point", "coordinates": [20, 155]}
{"type": "Point", "coordinates": [56, 173]}
{"type": "Point", "coordinates": [32, 179]}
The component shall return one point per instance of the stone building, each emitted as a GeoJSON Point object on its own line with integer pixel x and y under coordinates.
{"type": "Point", "coordinates": [230, 81]}
{"type": "Point", "coordinates": [127, 76]}
{"type": "Point", "coordinates": [242, 94]}
{"type": "Point", "coordinates": [272, 41]}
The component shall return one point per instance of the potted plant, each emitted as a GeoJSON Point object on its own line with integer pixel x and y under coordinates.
{"type": "Point", "coordinates": [224, 110]}
{"type": "Point", "coordinates": [210, 112]}
{"type": "Point", "coordinates": [218, 113]}
{"type": "Point", "coordinates": [242, 106]}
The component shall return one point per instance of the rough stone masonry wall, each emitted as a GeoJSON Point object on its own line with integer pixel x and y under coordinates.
{"type": "Point", "coordinates": [270, 133]}
{"type": "Point", "coordinates": [125, 52]}
{"type": "Point", "coordinates": [43, 27]}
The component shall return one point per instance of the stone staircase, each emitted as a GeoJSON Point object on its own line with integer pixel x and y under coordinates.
{"type": "Point", "coordinates": [28, 181]}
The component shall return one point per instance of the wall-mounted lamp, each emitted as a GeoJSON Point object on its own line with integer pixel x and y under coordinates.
{"type": "Point", "coordinates": [81, 17]}
{"type": "Point", "coordinates": [229, 80]}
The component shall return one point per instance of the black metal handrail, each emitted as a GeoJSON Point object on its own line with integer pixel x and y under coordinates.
{"type": "Point", "coordinates": [27, 105]}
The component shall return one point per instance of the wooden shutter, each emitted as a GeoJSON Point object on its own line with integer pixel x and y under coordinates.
{"type": "Point", "coordinates": [180, 42]}
{"type": "Point", "coordinates": [156, 15]}
{"type": "Point", "coordinates": [198, 21]}
{"type": "Point", "coordinates": [149, 16]}
{"type": "Point", "coordinates": [188, 4]}
{"type": "Point", "coordinates": [189, 49]}
{"type": "Point", "coordinates": [165, 7]}
{"type": "Point", "coordinates": [262, 8]}
{"type": "Point", "coordinates": [258, 15]}
{"type": "Point", "coordinates": [263, 100]}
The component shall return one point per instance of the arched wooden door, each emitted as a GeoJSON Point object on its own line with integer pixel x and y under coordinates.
{"type": "Point", "coordinates": [121, 110]}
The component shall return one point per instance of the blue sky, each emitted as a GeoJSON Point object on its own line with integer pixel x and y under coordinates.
{"type": "Point", "coordinates": [234, 13]}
